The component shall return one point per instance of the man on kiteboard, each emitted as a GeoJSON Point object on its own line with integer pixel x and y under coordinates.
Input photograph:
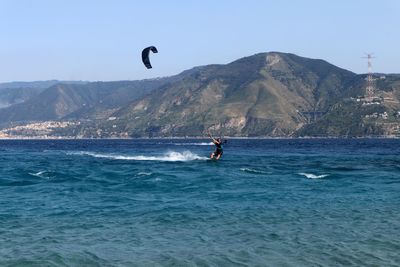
{"type": "Point", "coordinates": [218, 147]}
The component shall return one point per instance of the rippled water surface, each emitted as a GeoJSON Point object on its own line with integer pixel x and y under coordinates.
{"type": "Point", "coordinates": [163, 203]}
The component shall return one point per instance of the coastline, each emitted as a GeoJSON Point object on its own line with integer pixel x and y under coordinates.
{"type": "Point", "coordinates": [198, 138]}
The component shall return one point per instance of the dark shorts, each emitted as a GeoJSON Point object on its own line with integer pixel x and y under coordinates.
{"type": "Point", "coordinates": [218, 151]}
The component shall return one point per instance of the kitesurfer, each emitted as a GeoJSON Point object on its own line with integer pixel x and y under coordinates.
{"type": "Point", "coordinates": [218, 147]}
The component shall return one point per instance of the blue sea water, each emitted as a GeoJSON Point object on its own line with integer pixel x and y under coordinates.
{"type": "Point", "coordinates": [152, 202]}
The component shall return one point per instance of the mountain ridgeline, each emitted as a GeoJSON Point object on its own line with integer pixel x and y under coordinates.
{"type": "Point", "coordinates": [264, 95]}
{"type": "Point", "coordinates": [89, 101]}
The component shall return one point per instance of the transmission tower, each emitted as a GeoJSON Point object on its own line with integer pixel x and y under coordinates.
{"type": "Point", "coordinates": [369, 90]}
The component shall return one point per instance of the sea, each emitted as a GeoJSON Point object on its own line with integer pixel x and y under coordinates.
{"type": "Point", "coordinates": [163, 202]}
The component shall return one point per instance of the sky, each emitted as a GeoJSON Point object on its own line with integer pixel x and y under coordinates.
{"type": "Point", "coordinates": [99, 40]}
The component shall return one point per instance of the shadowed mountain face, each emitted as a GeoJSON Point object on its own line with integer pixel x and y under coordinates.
{"type": "Point", "coordinates": [12, 96]}
{"type": "Point", "coordinates": [78, 101]}
{"type": "Point", "coordinates": [261, 95]}
{"type": "Point", "coordinates": [17, 92]}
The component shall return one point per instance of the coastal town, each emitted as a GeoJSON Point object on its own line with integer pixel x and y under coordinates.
{"type": "Point", "coordinates": [39, 130]}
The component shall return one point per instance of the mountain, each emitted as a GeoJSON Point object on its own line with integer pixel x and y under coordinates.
{"type": "Point", "coordinates": [261, 95]}
{"type": "Point", "coordinates": [351, 118]}
{"type": "Point", "coordinates": [12, 96]}
{"type": "Point", "coordinates": [78, 101]}
{"type": "Point", "coordinates": [17, 92]}
{"type": "Point", "coordinates": [264, 95]}
{"type": "Point", "coordinates": [36, 84]}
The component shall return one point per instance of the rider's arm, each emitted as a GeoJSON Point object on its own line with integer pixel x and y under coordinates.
{"type": "Point", "coordinates": [214, 141]}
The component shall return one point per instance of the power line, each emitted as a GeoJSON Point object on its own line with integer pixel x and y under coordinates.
{"type": "Point", "coordinates": [370, 88]}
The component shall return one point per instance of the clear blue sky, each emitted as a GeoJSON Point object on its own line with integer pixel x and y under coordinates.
{"type": "Point", "coordinates": [102, 40]}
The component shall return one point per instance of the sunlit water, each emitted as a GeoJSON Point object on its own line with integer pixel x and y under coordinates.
{"type": "Point", "coordinates": [163, 203]}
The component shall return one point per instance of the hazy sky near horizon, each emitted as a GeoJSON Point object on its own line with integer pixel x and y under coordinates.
{"type": "Point", "coordinates": [102, 40]}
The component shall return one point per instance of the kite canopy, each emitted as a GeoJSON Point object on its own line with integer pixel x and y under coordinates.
{"type": "Point", "coordinates": [145, 55]}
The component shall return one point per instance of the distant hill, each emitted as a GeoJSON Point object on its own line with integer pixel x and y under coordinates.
{"type": "Point", "coordinates": [12, 96]}
{"type": "Point", "coordinates": [265, 95]}
{"type": "Point", "coordinates": [17, 92]}
{"type": "Point", "coordinates": [36, 84]}
{"type": "Point", "coordinates": [78, 101]}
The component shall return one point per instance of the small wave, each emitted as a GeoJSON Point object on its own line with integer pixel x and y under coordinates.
{"type": "Point", "coordinates": [170, 156]}
{"type": "Point", "coordinates": [249, 170]}
{"type": "Point", "coordinates": [313, 176]}
{"type": "Point", "coordinates": [194, 144]}
{"type": "Point", "coordinates": [40, 174]}
{"type": "Point", "coordinates": [145, 173]}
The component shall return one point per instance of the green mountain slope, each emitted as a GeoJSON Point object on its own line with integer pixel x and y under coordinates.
{"type": "Point", "coordinates": [352, 118]}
